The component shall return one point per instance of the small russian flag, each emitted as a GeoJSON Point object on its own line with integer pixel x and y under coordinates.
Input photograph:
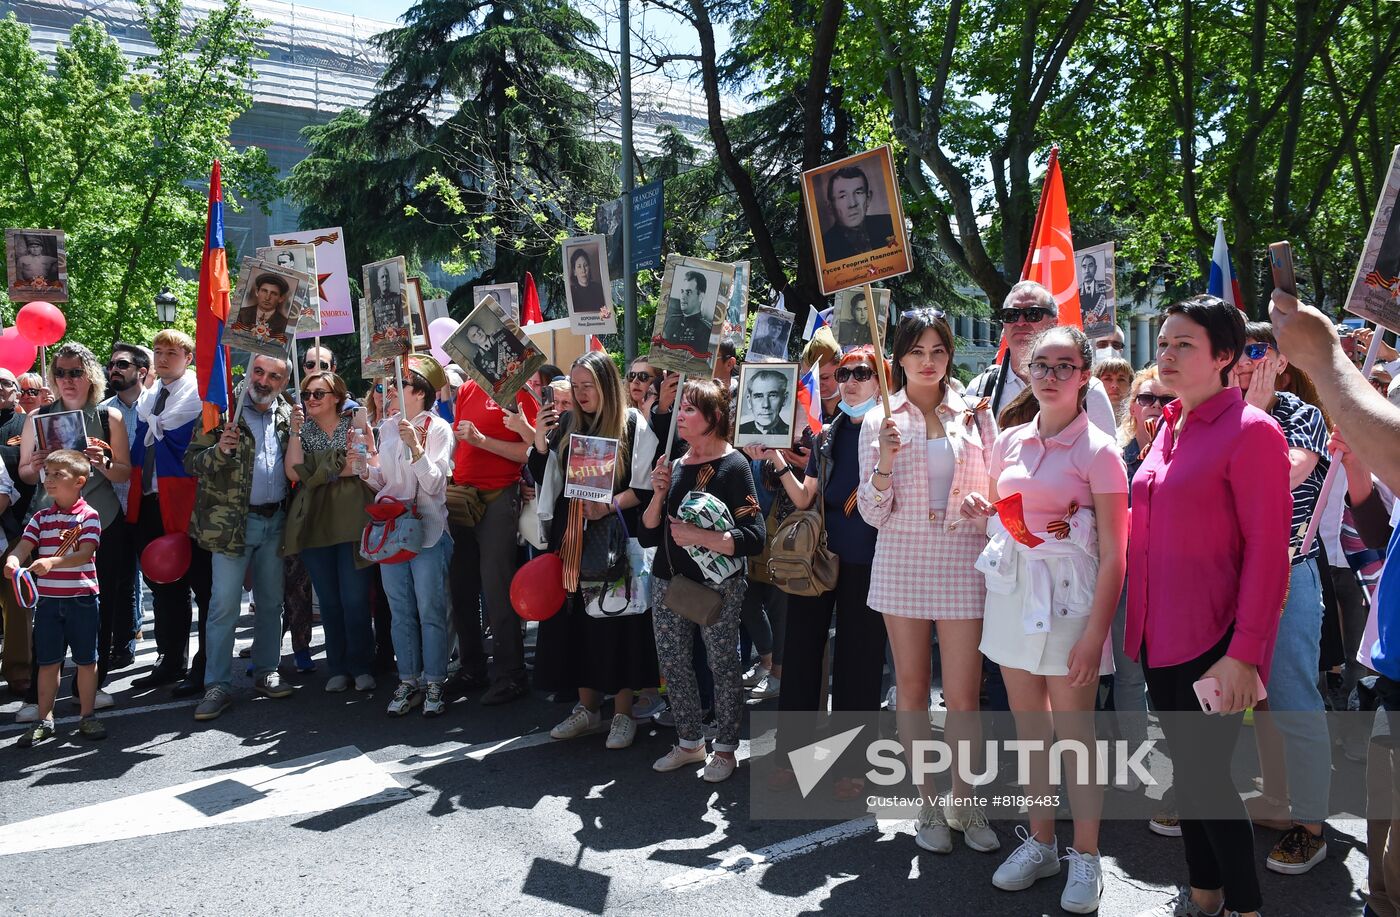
{"type": "Point", "coordinates": [1222, 282]}
{"type": "Point", "coordinates": [809, 397]}
{"type": "Point", "coordinates": [815, 321]}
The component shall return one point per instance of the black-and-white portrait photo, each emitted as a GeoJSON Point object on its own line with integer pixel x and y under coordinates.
{"type": "Point", "coordinates": [37, 262]}
{"type": "Point", "coordinates": [588, 286]}
{"type": "Point", "coordinates": [386, 287]}
{"type": "Point", "coordinates": [690, 310]}
{"type": "Point", "coordinates": [507, 296]}
{"type": "Point", "coordinates": [767, 404]}
{"type": "Point", "coordinates": [608, 223]}
{"type": "Point", "coordinates": [772, 328]}
{"type": "Point", "coordinates": [690, 314]}
{"type": "Point", "coordinates": [1097, 289]}
{"type": "Point", "coordinates": [855, 220]}
{"type": "Point", "coordinates": [61, 430]}
{"type": "Point", "coordinates": [491, 348]}
{"type": "Point", "coordinates": [738, 314]}
{"type": "Point", "coordinates": [300, 259]}
{"type": "Point", "coordinates": [265, 304]}
{"type": "Point", "coordinates": [851, 317]}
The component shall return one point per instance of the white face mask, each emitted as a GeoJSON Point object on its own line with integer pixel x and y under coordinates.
{"type": "Point", "coordinates": [858, 411]}
{"type": "Point", "coordinates": [1105, 353]}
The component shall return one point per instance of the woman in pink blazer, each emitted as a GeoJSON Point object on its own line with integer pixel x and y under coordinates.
{"type": "Point", "coordinates": [916, 465]}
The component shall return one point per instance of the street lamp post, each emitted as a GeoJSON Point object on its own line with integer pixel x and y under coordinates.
{"type": "Point", "coordinates": [166, 305]}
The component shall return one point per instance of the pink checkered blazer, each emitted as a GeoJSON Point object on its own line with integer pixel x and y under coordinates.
{"type": "Point", "coordinates": [923, 568]}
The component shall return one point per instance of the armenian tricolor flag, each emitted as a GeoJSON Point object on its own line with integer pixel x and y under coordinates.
{"type": "Point", "coordinates": [211, 357]}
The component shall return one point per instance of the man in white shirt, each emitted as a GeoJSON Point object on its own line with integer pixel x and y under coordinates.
{"type": "Point", "coordinates": [1029, 309]}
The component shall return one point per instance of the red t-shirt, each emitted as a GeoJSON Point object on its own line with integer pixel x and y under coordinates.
{"type": "Point", "coordinates": [478, 467]}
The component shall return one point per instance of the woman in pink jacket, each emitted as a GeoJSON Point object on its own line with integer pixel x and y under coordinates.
{"type": "Point", "coordinates": [916, 465]}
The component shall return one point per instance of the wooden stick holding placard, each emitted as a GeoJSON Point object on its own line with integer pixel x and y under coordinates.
{"type": "Point", "coordinates": [873, 317]}
{"type": "Point", "coordinates": [675, 413]}
{"type": "Point", "coordinates": [398, 377]}
{"type": "Point", "coordinates": [243, 395]}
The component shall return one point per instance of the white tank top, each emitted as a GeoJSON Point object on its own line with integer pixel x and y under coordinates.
{"type": "Point", "coordinates": [940, 472]}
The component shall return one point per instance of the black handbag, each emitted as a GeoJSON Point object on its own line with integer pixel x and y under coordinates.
{"type": "Point", "coordinates": [604, 555]}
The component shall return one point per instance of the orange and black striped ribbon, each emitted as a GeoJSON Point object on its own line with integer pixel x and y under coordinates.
{"type": "Point", "coordinates": [70, 538]}
{"type": "Point", "coordinates": [851, 504]}
{"type": "Point", "coordinates": [571, 550]}
{"type": "Point", "coordinates": [703, 476]}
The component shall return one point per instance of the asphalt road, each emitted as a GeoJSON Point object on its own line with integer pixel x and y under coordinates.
{"type": "Point", "coordinates": [321, 803]}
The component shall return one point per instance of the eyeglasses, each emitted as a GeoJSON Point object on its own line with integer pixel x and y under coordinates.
{"type": "Point", "coordinates": [31, 392]}
{"type": "Point", "coordinates": [922, 312]}
{"type": "Point", "coordinates": [1257, 351]}
{"type": "Point", "coordinates": [639, 377]}
{"type": "Point", "coordinates": [6, 384]}
{"type": "Point", "coordinates": [1031, 316]}
{"type": "Point", "coordinates": [858, 373]}
{"type": "Point", "coordinates": [1104, 343]}
{"type": "Point", "coordinates": [317, 395]}
{"type": "Point", "coordinates": [322, 365]}
{"type": "Point", "coordinates": [76, 373]}
{"type": "Point", "coordinates": [1062, 371]}
{"type": "Point", "coordinates": [120, 364]}
{"type": "Point", "coordinates": [1146, 400]}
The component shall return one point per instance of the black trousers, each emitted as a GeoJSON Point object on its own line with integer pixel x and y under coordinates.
{"type": "Point", "coordinates": [116, 569]}
{"type": "Point", "coordinates": [1219, 851]}
{"type": "Point", "coordinates": [173, 611]}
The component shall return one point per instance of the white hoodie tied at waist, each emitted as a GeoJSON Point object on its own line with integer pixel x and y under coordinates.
{"type": "Point", "coordinates": [1062, 573]}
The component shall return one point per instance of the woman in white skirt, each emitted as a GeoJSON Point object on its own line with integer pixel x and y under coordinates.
{"type": "Point", "coordinates": [1050, 607]}
{"type": "Point", "coordinates": [915, 463]}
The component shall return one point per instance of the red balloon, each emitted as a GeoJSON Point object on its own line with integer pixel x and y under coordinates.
{"type": "Point", "coordinates": [537, 592]}
{"type": "Point", "coordinates": [41, 323]}
{"type": "Point", "coordinates": [16, 354]}
{"type": "Point", "coordinates": [167, 558]}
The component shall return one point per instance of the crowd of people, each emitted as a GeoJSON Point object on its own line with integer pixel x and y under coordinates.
{"type": "Point", "coordinates": [1168, 502]}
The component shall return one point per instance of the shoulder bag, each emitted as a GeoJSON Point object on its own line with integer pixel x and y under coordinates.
{"type": "Point", "coordinates": [394, 534]}
{"type": "Point", "coordinates": [693, 601]}
{"type": "Point", "coordinates": [799, 562]}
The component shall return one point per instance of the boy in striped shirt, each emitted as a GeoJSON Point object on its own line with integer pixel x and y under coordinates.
{"type": "Point", "coordinates": [63, 540]}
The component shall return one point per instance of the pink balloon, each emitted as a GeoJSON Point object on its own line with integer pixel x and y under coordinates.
{"type": "Point", "coordinates": [439, 330]}
{"type": "Point", "coordinates": [41, 323]}
{"type": "Point", "coordinates": [16, 354]}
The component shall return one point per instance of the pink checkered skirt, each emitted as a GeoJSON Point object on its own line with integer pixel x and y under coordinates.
{"type": "Point", "coordinates": [928, 573]}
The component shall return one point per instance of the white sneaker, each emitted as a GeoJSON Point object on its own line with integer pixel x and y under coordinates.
{"type": "Point", "coordinates": [623, 731]}
{"type": "Point", "coordinates": [103, 701]}
{"type": "Point", "coordinates": [1085, 885]}
{"type": "Point", "coordinates": [1027, 864]}
{"type": "Point", "coordinates": [755, 674]}
{"type": "Point", "coordinates": [406, 696]}
{"type": "Point", "coordinates": [29, 713]}
{"type": "Point", "coordinates": [976, 832]}
{"type": "Point", "coordinates": [678, 757]}
{"type": "Point", "coordinates": [581, 722]}
{"type": "Point", "coordinates": [646, 706]}
{"type": "Point", "coordinates": [434, 704]}
{"type": "Point", "coordinates": [337, 683]}
{"type": "Point", "coordinates": [719, 768]}
{"type": "Point", "coordinates": [768, 686]}
{"type": "Point", "coordinates": [931, 832]}
{"type": "Point", "coordinates": [365, 683]}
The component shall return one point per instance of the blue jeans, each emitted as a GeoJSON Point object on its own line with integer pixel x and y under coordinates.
{"type": "Point", "coordinates": [344, 594]}
{"type": "Point", "coordinates": [1292, 688]}
{"type": "Point", "coordinates": [263, 540]}
{"type": "Point", "coordinates": [418, 600]}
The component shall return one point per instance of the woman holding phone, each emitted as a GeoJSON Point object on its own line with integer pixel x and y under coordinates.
{"type": "Point", "coordinates": [1207, 567]}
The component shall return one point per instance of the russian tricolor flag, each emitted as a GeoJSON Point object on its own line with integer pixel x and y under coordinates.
{"type": "Point", "coordinates": [211, 358]}
{"type": "Point", "coordinates": [809, 397]}
{"type": "Point", "coordinates": [816, 320]}
{"type": "Point", "coordinates": [1223, 283]}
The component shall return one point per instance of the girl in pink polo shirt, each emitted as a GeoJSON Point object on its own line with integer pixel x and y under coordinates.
{"type": "Point", "coordinates": [1050, 604]}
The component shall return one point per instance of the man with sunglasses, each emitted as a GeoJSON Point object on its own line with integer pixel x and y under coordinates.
{"type": "Point", "coordinates": [127, 371]}
{"type": "Point", "coordinates": [1029, 309]}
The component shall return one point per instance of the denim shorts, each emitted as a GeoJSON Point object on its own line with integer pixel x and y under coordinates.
{"type": "Point", "coordinates": [70, 623]}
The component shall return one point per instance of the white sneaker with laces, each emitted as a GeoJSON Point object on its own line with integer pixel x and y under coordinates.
{"type": "Point", "coordinates": [976, 832]}
{"type": "Point", "coordinates": [29, 713]}
{"type": "Point", "coordinates": [623, 731]}
{"type": "Point", "coordinates": [720, 768]}
{"type": "Point", "coordinates": [678, 757]}
{"type": "Point", "coordinates": [1027, 864]}
{"type": "Point", "coordinates": [406, 696]}
{"type": "Point", "coordinates": [581, 722]}
{"type": "Point", "coordinates": [103, 701]}
{"type": "Point", "coordinates": [1084, 887]}
{"type": "Point", "coordinates": [931, 831]}
{"type": "Point", "coordinates": [755, 674]}
{"type": "Point", "coordinates": [768, 687]}
{"type": "Point", "coordinates": [434, 704]}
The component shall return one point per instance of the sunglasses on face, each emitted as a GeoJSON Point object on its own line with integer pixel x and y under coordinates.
{"type": "Point", "coordinates": [1257, 351]}
{"type": "Point", "coordinates": [1031, 316]}
{"type": "Point", "coordinates": [7, 385]}
{"type": "Point", "coordinates": [317, 395]}
{"type": "Point", "coordinates": [1106, 343]}
{"type": "Point", "coordinates": [77, 373]}
{"type": "Point", "coordinates": [1145, 400]}
{"type": "Point", "coordinates": [119, 364]}
{"type": "Point", "coordinates": [1062, 371]}
{"type": "Point", "coordinates": [639, 377]}
{"type": "Point", "coordinates": [31, 392]}
{"type": "Point", "coordinates": [858, 373]}
{"type": "Point", "coordinates": [322, 365]}
{"type": "Point", "coordinates": [923, 312]}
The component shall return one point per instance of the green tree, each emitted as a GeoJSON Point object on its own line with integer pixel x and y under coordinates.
{"type": "Point", "coordinates": [118, 156]}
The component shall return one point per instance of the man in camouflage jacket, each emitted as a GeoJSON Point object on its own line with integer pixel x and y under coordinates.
{"type": "Point", "coordinates": [239, 513]}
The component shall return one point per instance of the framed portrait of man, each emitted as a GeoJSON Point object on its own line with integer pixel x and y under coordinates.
{"type": "Point", "coordinates": [61, 430]}
{"type": "Point", "coordinates": [1373, 289]}
{"type": "Point", "coordinates": [386, 287]}
{"type": "Point", "coordinates": [37, 264]}
{"type": "Point", "coordinates": [851, 318]}
{"type": "Point", "coordinates": [507, 296]}
{"type": "Point", "coordinates": [694, 302]}
{"type": "Point", "coordinates": [264, 308]}
{"type": "Point", "coordinates": [371, 368]}
{"type": "Point", "coordinates": [772, 328]}
{"type": "Point", "coordinates": [856, 220]}
{"type": "Point", "coordinates": [494, 352]}
{"type": "Point", "coordinates": [588, 286]}
{"type": "Point", "coordinates": [1094, 268]}
{"type": "Point", "coordinates": [737, 318]}
{"type": "Point", "coordinates": [300, 258]}
{"type": "Point", "coordinates": [767, 404]}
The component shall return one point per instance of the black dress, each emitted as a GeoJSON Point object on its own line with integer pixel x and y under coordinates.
{"type": "Point", "coordinates": [573, 650]}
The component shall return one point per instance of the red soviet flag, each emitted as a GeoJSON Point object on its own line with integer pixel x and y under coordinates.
{"type": "Point", "coordinates": [1050, 261]}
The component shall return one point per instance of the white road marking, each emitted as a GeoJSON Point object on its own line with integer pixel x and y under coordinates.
{"type": "Point", "coordinates": [453, 752]}
{"type": "Point", "coordinates": [106, 714]}
{"type": "Point", "coordinates": [316, 783]}
{"type": "Point", "coordinates": [744, 860]}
